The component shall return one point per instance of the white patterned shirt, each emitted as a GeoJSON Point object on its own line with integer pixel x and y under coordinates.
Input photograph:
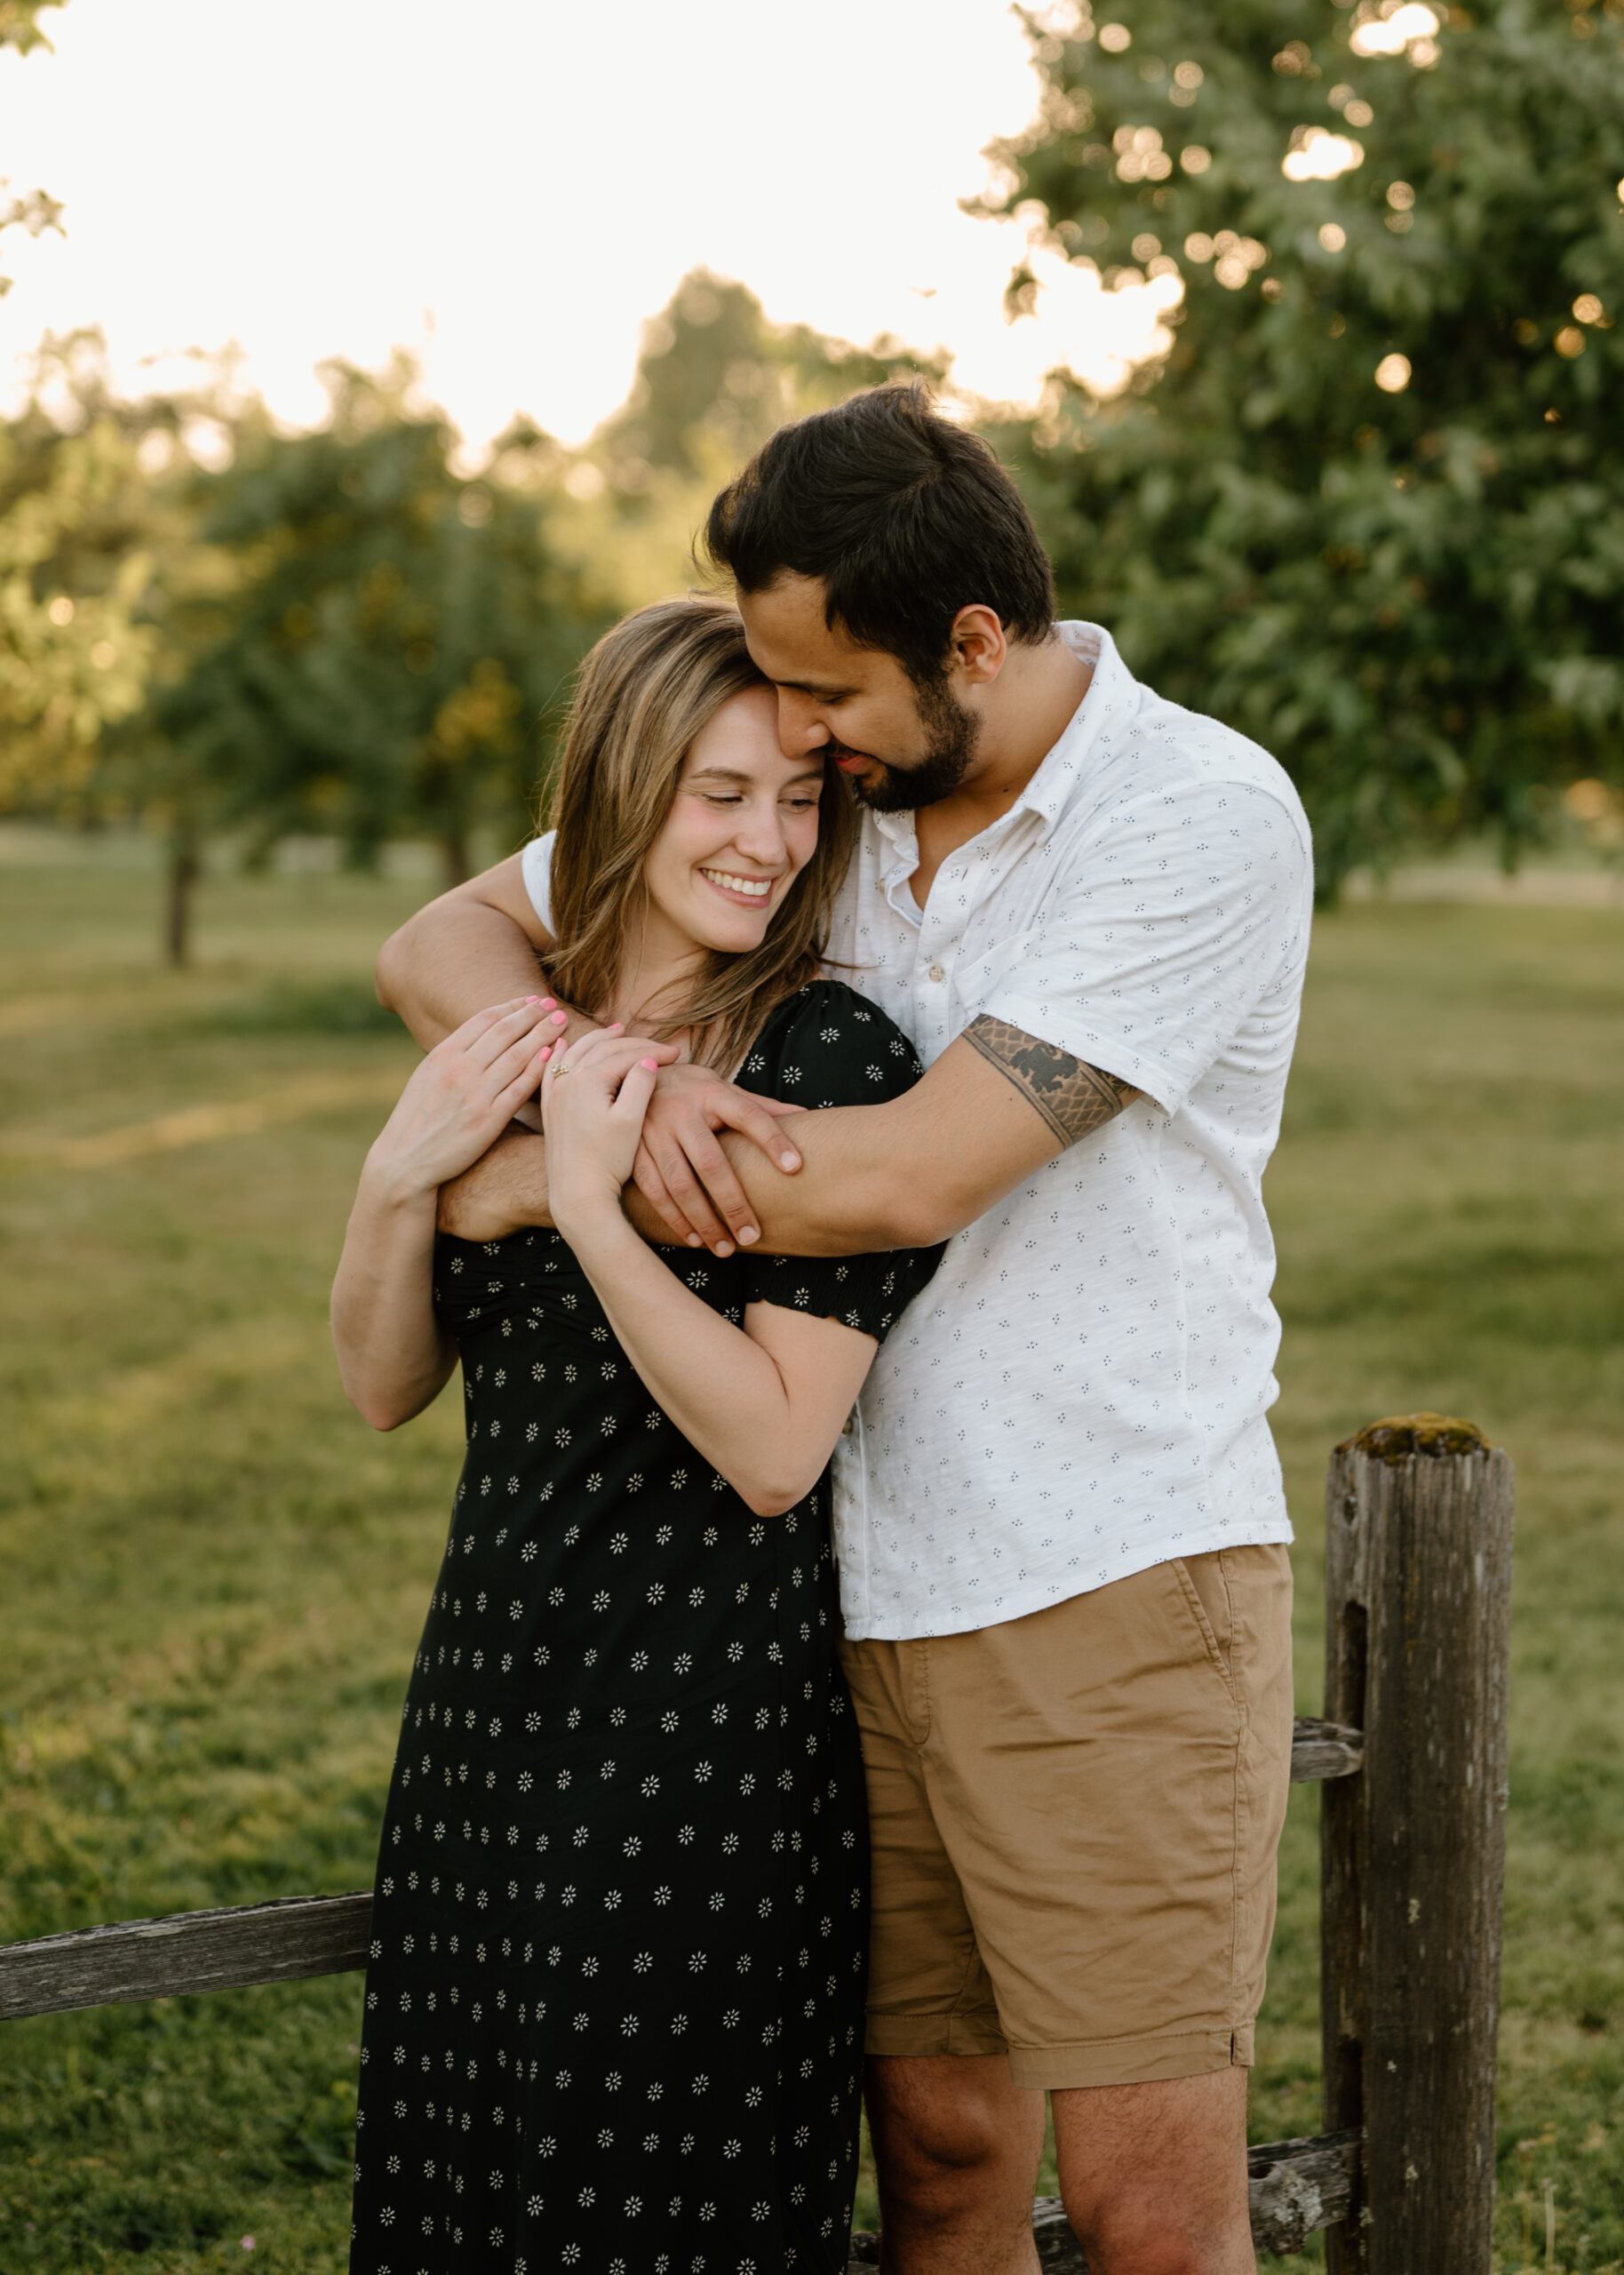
{"type": "Point", "coordinates": [1082, 1392]}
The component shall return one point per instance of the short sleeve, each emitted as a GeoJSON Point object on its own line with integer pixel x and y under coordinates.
{"type": "Point", "coordinates": [828, 1047]}
{"type": "Point", "coordinates": [536, 867]}
{"type": "Point", "coordinates": [1184, 910]}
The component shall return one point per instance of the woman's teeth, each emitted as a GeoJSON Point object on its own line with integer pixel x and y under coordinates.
{"type": "Point", "coordinates": [754, 887]}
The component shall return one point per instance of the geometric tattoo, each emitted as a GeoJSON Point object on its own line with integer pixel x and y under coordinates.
{"type": "Point", "coordinates": [1073, 1098]}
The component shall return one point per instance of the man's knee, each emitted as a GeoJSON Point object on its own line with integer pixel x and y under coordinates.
{"type": "Point", "coordinates": [938, 2122]}
{"type": "Point", "coordinates": [1145, 2232]}
{"type": "Point", "coordinates": [1154, 2177]}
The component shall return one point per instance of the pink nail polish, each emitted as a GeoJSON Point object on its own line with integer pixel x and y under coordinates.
{"type": "Point", "coordinates": [560, 1019]}
{"type": "Point", "coordinates": [653, 1064]}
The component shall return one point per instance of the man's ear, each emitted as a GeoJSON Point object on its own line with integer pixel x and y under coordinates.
{"type": "Point", "coordinates": [977, 645]}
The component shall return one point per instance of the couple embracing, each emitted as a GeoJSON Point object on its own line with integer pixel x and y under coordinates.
{"type": "Point", "coordinates": [861, 1663]}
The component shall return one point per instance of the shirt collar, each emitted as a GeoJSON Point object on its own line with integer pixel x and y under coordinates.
{"type": "Point", "coordinates": [1111, 690]}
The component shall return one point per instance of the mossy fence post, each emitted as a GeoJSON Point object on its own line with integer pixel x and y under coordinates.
{"type": "Point", "coordinates": [1418, 1597]}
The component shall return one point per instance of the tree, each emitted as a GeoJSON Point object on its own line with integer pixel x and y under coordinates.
{"type": "Point", "coordinates": [82, 526]}
{"type": "Point", "coordinates": [714, 377]}
{"type": "Point", "coordinates": [396, 636]}
{"type": "Point", "coordinates": [1370, 508]}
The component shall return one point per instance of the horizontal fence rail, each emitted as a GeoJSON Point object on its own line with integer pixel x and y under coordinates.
{"type": "Point", "coordinates": [249, 1943]}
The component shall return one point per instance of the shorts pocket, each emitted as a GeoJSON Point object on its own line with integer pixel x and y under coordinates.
{"type": "Point", "coordinates": [1209, 1638]}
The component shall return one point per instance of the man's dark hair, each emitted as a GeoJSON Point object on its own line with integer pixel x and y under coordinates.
{"type": "Point", "coordinates": [904, 516]}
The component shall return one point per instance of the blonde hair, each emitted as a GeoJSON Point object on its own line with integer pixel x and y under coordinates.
{"type": "Point", "coordinates": [644, 692]}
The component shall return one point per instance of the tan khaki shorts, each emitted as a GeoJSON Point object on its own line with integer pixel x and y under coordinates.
{"type": "Point", "coordinates": [1074, 1819]}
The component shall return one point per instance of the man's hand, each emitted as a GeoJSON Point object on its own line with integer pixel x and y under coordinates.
{"type": "Point", "coordinates": [680, 1169]}
{"type": "Point", "coordinates": [505, 1189]}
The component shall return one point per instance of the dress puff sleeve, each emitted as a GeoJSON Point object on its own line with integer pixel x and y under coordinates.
{"type": "Point", "coordinates": [825, 1047]}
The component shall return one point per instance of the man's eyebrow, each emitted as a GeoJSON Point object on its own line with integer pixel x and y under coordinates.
{"type": "Point", "coordinates": [830, 691]}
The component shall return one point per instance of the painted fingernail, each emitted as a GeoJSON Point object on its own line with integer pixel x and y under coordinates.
{"type": "Point", "coordinates": [546, 1001]}
{"type": "Point", "coordinates": [545, 1051]}
{"type": "Point", "coordinates": [560, 1019]}
{"type": "Point", "coordinates": [615, 1026]}
{"type": "Point", "coordinates": [532, 999]}
{"type": "Point", "coordinates": [653, 1064]}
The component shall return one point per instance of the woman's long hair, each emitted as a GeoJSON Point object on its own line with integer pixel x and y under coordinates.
{"type": "Point", "coordinates": [644, 692]}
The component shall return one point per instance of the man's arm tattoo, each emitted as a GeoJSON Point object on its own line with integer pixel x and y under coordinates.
{"type": "Point", "coordinates": [1073, 1098]}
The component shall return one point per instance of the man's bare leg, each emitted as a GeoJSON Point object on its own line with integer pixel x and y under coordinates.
{"type": "Point", "coordinates": [1154, 2178]}
{"type": "Point", "coordinates": [957, 2146]}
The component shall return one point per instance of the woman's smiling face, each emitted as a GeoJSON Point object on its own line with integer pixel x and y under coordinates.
{"type": "Point", "coordinates": [742, 827]}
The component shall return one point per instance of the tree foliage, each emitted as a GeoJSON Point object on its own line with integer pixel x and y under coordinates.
{"type": "Point", "coordinates": [714, 377]}
{"type": "Point", "coordinates": [1370, 508]}
{"type": "Point", "coordinates": [398, 633]}
{"type": "Point", "coordinates": [84, 527]}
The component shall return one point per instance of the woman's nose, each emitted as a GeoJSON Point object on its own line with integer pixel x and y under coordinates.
{"type": "Point", "coordinates": [760, 834]}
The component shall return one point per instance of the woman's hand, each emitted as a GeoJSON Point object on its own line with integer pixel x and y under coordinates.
{"type": "Point", "coordinates": [462, 1097]}
{"type": "Point", "coordinates": [593, 1098]}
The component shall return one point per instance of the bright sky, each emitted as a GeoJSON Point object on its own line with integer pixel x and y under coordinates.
{"type": "Point", "coordinates": [509, 187]}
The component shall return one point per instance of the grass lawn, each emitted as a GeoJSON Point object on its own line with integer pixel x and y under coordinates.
{"type": "Point", "coordinates": [213, 1574]}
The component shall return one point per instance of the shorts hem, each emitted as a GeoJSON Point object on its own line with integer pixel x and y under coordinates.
{"type": "Point", "coordinates": [1131, 2061]}
{"type": "Point", "coordinates": [977, 2031]}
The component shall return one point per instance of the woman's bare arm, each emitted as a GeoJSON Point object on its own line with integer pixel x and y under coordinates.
{"type": "Point", "coordinates": [393, 1357]}
{"type": "Point", "coordinates": [762, 1403]}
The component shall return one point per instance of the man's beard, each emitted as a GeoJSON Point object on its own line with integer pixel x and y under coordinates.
{"type": "Point", "coordinates": [952, 734]}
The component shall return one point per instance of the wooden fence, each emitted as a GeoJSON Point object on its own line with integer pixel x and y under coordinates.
{"type": "Point", "coordinates": [1412, 1755]}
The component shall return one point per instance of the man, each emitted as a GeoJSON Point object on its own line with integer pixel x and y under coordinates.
{"type": "Point", "coordinates": [1060, 1520]}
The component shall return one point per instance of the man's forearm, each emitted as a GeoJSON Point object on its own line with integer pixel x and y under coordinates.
{"type": "Point", "coordinates": [906, 1174]}
{"type": "Point", "coordinates": [506, 1189]}
{"type": "Point", "coordinates": [995, 1107]}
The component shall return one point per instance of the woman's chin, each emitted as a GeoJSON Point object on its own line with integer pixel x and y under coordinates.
{"type": "Point", "coordinates": [728, 932]}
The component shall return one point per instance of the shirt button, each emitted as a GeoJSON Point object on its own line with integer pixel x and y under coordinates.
{"type": "Point", "coordinates": [937, 974]}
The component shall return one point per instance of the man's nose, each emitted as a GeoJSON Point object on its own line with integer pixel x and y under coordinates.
{"type": "Point", "coordinates": [801, 730]}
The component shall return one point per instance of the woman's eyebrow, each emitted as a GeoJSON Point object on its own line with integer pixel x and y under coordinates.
{"type": "Point", "coordinates": [736, 774]}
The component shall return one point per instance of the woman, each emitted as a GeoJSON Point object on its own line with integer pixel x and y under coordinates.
{"type": "Point", "coordinates": [614, 2013]}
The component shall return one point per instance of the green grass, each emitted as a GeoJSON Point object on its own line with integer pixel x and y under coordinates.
{"type": "Point", "coordinates": [213, 1574]}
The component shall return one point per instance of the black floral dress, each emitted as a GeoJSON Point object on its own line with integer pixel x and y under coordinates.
{"type": "Point", "coordinates": [614, 2010]}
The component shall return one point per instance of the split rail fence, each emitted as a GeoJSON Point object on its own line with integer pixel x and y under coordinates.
{"type": "Point", "coordinates": [1412, 1752]}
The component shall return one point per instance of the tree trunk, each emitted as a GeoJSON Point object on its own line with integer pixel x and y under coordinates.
{"type": "Point", "coordinates": [454, 862]}
{"type": "Point", "coordinates": [185, 866]}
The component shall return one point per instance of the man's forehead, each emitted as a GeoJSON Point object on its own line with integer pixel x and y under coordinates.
{"type": "Point", "coordinates": [792, 643]}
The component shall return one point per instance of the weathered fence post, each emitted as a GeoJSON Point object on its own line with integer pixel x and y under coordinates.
{"type": "Point", "coordinates": [1418, 1591]}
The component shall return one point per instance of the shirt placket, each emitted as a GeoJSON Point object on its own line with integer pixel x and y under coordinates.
{"type": "Point", "coordinates": [963, 884]}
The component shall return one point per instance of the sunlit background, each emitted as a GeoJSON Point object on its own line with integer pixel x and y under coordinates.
{"type": "Point", "coordinates": [509, 193]}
